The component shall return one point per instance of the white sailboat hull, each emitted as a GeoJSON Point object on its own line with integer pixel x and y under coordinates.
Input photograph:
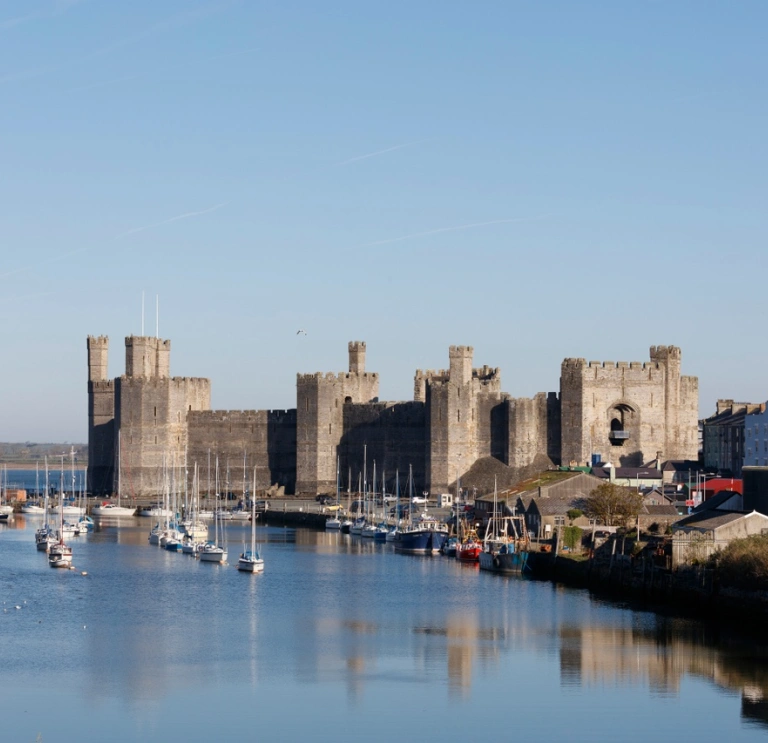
{"type": "Point", "coordinates": [31, 509]}
{"type": "Point", "coordinates": [213, 555]}
{"type": "Point", "coordinates": [112, 510]}
{"type": "Point", "coordinates": [250, 565]}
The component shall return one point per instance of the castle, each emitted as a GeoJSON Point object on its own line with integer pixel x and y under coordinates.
{"type": "Point", "coordinates": [145, 425]}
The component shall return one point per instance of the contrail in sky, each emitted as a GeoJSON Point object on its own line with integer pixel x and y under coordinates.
{"type": "Point", "coordinates": [178, 217]}
{"type": "Point", "coordinates": [377, 153]}
{"type": "Point", "coordinates": [186, 215]}
{"type": "Point", "coordinates": [452, 229]}
{"type": "Point", "coordinates": [42, 263]}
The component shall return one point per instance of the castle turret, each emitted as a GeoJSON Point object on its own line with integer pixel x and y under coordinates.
{"type": "Point", "coordinates": [461, 364]}
{"type": "Point", "coordinates": [356, 357]}
{"type": "Point", "coordinates": [147, 357]}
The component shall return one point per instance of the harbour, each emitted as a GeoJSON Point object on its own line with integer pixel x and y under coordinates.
{"type": "Point", "coordinates": [344, 629]}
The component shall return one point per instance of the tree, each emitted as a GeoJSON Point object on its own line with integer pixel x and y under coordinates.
{"type": "Point", "coordinates": [574, 513]}
{"type": "Point", "coordinates": [613, 505]}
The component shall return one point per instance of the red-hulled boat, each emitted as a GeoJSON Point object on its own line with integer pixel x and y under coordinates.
{"type": "Point", "coordinates": [469, 551]}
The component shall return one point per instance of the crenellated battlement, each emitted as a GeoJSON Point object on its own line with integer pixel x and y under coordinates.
{"type": "Point", "coordinates": [334, 376]}
{"type": "Point", "coordinates": [156, 382]}
{"type": "Point", "coordinates": [665, 353]}
{"type": "Point", "coordinates": [460, 351]}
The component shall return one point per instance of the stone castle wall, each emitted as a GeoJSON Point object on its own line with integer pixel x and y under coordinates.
{"type": "Point", "coordinates": [264, 440]}
{"type": "Point", "coordinates": [390, 434]}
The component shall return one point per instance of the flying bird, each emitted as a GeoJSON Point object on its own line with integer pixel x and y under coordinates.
{"type": "Point", "coordinates": [301, 332]}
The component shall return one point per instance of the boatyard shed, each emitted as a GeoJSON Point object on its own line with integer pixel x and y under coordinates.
{"type": "Point", "coordinates": [544, 501]}
{"type": "Point", "coordinates": [700, 535]}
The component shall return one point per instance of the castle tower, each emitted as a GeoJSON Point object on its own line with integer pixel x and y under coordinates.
{"type": "Point", "coordinates": [627, 412]}
{"type": "Point", "coordinates": [452, 420]}
{"type": "Point", "coordinates": [101, 418]}
{"type": "Point", "coordinates": [357, 357]}
{"type": "Point", "coordinates": [320, 401]}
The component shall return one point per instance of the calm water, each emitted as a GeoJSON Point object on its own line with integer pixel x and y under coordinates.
{"type": "Point", "coordinates": [343, 640]}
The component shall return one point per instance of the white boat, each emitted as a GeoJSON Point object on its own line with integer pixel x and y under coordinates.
{"type": "Point", "coordinates": [107, 509]}
{"type": "Point", "coordinates": [213, 551]}
{"type": "Point", "coordinates": [157, 511]}
{"type": "Point", "coordinates": [334, 523]}
{"type": "Point", "coordinates": [44, 536]}
{"type": "Point", "coordinates": [251, 561]}
{"type": "Point", "coordinates": [60, 553]}
{"type": "Point", "coordinates": [191, 546]}
{"type": "Point", "coordinates": [32, 509]}
{"type": "Point", "coordinates": [6, 511]}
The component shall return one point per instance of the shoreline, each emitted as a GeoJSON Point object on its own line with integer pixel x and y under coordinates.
{"type": "Point", "coordinates": [31, 466]}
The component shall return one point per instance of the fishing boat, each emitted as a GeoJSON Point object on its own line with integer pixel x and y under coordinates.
{"type": "Point", "coordinates": [251, 561]}
{"type": "Point", "coordinates": [470, 548]}
{"type": "Point", "coordinates": [425, 536]}
{"type": "Point", "coordinates": [506, 545]}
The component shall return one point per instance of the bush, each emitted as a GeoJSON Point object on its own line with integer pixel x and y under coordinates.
{"type": "Point", "coordinates": [572, 537]}
{"type": "Point", "coordinates": [744, 563]}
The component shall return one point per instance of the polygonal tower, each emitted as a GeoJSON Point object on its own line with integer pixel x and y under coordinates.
{"type": "Point", "coordinates": [101, 418]}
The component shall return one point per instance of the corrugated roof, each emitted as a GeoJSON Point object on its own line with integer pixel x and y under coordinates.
{"type": "Point", "coordinates": [708, 520]}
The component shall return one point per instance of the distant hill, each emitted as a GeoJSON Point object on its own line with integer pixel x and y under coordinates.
{"type": "Point", "coordinates": [30, 452]}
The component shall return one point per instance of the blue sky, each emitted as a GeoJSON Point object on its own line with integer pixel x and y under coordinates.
{"type": "Point", "coordinates": [539, 180]}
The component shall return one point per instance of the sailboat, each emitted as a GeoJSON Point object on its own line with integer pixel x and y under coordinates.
{"type": "Point", "coordinates": [6, 511]}
{"type": "Point", "coordinates": [251, 561]}
{"type": "Point", "coordinates": [334, 523]}
{"type": "Point", "coordinates": [346, 525]}
{"type": "Point", "coordinates": [34, 508]}
{"type": "Point", "coordinates": [44, 536]}
{"type": "Point", "coordinates": [213, 551]}
{"type": "Point", "coordinates": [115, 509]}
{"type": "Point", "coordinates": [60, 553]}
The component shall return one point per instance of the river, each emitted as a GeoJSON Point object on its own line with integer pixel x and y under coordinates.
{"type": "Point", "coordinates": [341, 639]}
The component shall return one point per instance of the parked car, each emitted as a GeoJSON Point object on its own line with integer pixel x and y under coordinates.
{"type": "Point", "coordinates": [324, 500]}
{"type": "Point", "coordinates": [419, 500]}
